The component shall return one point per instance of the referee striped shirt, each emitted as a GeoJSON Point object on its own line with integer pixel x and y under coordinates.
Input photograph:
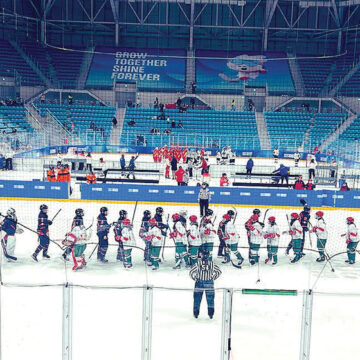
{"type": "Point", "coordinates": [205, 271]}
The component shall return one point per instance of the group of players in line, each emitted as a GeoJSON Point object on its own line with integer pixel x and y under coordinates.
{"type": "Point", "coordinates": [188, 236]}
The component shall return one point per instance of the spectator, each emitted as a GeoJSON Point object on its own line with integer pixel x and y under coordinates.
{"type": "Point", "coordinates": [92, 125]}
{"type": "Point", "coordinates": [224, 180]}
{"type": "Point", "coordinates": [168, 121]}
{"type": "Point", "coordinates": [299, 184]}
{"type": "Point", "coordinates": [132, 122]}
{"type": "Point", "coordinates": [344, 187]}
{"type": "Point", "coordinates": [173, 164]}
{"type": "Point", "coordinates": [70, 99]}
{"type": "Point", "coordinates": [161, 108]}
{"type": "Point", "coordinates": [8, 160]}
{"type": "Point", "coordinates": [179, 174]}
{"type": "Point", "coordinates": [204, 166]}
{"type": "Point", "coordinates": [250, 105]}
{"type": "Point", "coordinates": [206, 176]}
{"type": "Point", "coordinates": [91, 178]}
{"type": "Point", "coordinates": [218, 157]}
{"type": "Point", "coordinates": [156, 103]}
{"type": "Point", "coordinates": [114, 121]}
{"type": "Point", "coordinates": [192, 103]}
{"type": "Point", "coordinates": [180, 125]}
{"type": "Point", "coordinates": [167, 168]}
{"type": "Point", "coordinates": [42, 98]}
{"type": "Point", "coordinates": [249, 166]}
{"type": "Point", "coordinates": [51, 174]}
{"type": "Point", "coordinates": [233, 105]}
{"type": "Point", "coordinates": [193, 87]}
{"type": "Point", "coordinates": [122, 162]}
{"type": "Point", "coordinates": [310, 185]}
{"type": "Point", "coordinates": [167, 132]}
{"type": "Point", "coordinates": [178, 103]}
{"type": "Point", "coordinates": [155, 131]}
{"type": "Point", "coordinates": [186, 178]}
{"type": "Point", "coordinates": [173, 123]}
{"type": "Point", "coordinates": [333, 168]}
{"type": "Point", "coordinates": [284, 173]}
{"type": "Point", "coordinates": [312, 167]}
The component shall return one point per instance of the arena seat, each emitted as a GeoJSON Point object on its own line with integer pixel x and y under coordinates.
{"type": "Point", "coordinates": [14, 117]}
{"type": "Point", "coordinates": [235, 128]}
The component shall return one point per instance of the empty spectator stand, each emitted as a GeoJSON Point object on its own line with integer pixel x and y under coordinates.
{"type": "Point", "coordinates": [352, 132]}
{"type": "Point", "coordinates": [323, 126]}
{"type": "Point", "coordinates": [82, 116]}
{"type": "Point", "coordinates": [287, 129]}
{"type": "Point", "coordinates": [14, 117]}
{"type": "Point", "coordinates": [12, 60]}
{"type": "Point", "coordinates": [314, 72]}
{"type": "Point", "coordinates": [352, 86]}
{"type": "Point", "coordinates": [211, 128]}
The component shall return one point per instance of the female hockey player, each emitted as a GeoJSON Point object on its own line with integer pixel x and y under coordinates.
{"type": "Point", "coordinates": [256, 237]}
{"type": "Point", "coordinates": [179, 236]}
{"type": "Point", "coordinates": [155, 236]}
{"type": "Point", "coordinates": [272, 234]}
{"type": "Point", "coordinates": [9, 226]}
{"type": "Point", "coordinates": [194, 240]}
{"type": "Point", "coordinates": [144, 228]}
{"type": "Point", "coordinates": [128, 241]}
{"type": "Point", "coordinates": [207, 233]}
{"type": "Point", "coordinates": [77, 221]}
{"type": "Point", "coordinates": [321, 233]}
{"type": "Point", "coordinates": [76, 241]}
{"type": "Point", "coordinates": [103, 232]}
{"type": "Point", "coordinates": [351, 240]}
{"type": "Point", "coordinates": [118, 226]}
{"type": "Point", "coordinates": [295, 232]}
{"type": "Point", "coordinates": [231, 238]}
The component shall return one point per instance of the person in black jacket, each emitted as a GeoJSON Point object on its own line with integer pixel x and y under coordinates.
{"type": "Point", "coordinates": [173, 164]}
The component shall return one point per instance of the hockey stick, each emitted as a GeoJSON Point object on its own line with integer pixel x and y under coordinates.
{"type": "Point", "coordinates": [97, 245]}
{"type": "Point", "coordinates": [5, 251]}
{"type": "Point", "coordinates": [266, 211]}
{"type": "Point", "coordinates": [163, 247]}
{"type": "Point", "coordinates": [56, 215]}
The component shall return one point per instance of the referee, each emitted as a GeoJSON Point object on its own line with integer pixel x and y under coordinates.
{"type": "Point", "coordinates": [204, 272]}
{"type": "Point", "coordinates": [204, 198]}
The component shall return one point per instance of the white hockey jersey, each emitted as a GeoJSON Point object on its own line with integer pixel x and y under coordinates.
{"type": "Point", "coordinates": [179, 233]}
{"type": "Point", "coordinates": [231, 236]}
{"type": "Point", "coordinates": [127, 236]}
{"type": "Point", "coordinates": [320, 229]}
{"type": "Point", "coordinates": [296, 230]}
{"type": "Point", "coordinates": [194, 235]}
{"type": "Point", "coordinates": [207, 232]}
{"type": "Point", "coordinates": [272, 234]}
{"type": "Point", "coordinates": [155, 236]}
{"type": "Point", "coordinates": [352, 233]}
{"type": "Point", "coordinates": [256, 234]}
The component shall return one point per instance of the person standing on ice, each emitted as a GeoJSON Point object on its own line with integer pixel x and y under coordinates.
{"type": "Point", "coordinates": [154, 235]}
{"type": "Point", "coordinates": [207, 232]}
{"type": "Point", "coordinates": [256, 237]}
{"type": "Point", "coordinates": [231, 238]}
{"type": "Point", "coordinates": [144, 228]}
{"type": "Point", "coordinates": [204, 198]}
{"type": "Point", "coordinates": [272, 234]}
{"type": "Point", "coordinates": [204, 272]}
{"type": "Point", "coordinates": [118, 226]}
{"type": "Point", "coordinates": [43, 231]}
{"type": "Point", "coordinates": [194, 240]}
{"type": "Point", "coordinates": [321, 233]}
{"type": "Point", "coordinates": [295, 232]}
{"type": "Point", "coordinates": [128, 241]}
{"type": "Point", "coordinates": [103, 232]}
{"type": "Point", "coordinates": [351, 240]}
{"type": "Point", "coordinates": [9, 226]}
{"type": "Point", "coordinates": [179, 236]}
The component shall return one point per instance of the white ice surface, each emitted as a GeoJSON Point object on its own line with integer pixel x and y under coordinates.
{"type": "Point", "coordinates": [107, 323]}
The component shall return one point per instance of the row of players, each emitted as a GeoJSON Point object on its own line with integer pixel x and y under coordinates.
{"type": "Point", "coordinates": [188, 237]}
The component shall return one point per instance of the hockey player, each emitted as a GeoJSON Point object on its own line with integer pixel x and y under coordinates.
{"type": "Point", "coordinates": [351, 240]}
{"type": "Point", "coordinates": [158, 217]}
{"type": "Point", "coordinates": [249, 222]}
{"type": "Point", "coordinates": [276, 155]}
{"type": "Point", "coordinates": [43, 231]}
{"type": "Point", "coordinates": [231, 239]}
{"type": "Point", "coordinates": [144, 228]}
{"type": "Point", "coordinates": [118, 232]}
{"type": "Point", "coordinates": [179, 236]}
{"type": "Point", "coordinates": [78, 221]}
{"type": "Point", "coordinates": [9, 226]}
{"type": "Point", "coordinates": [102, 232]}
{"type": "Point", "coordinates": [76, 242]}
{"type": "Point", "coordinates": [272, 234]}
{"type": "Point", "coordinates": [321, 233]}
{"type": "Point", "coordinates": [128, 241]}
{"type": "Point", "coordinates": [194, 240]}
{"type": "Point", "coordinates": [295, 232]}
{"type": "Point", "coordinates": [207, 233]}
{"type": "Point", "coordinates": [256, 236]}
{"type": "Point", "coordinates": [221, 232]}
{"type": "Point", "coordinates": [154, 235]}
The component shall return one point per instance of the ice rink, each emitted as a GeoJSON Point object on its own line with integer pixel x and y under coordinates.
{"type": "Point", "coordinates": [107, 322]}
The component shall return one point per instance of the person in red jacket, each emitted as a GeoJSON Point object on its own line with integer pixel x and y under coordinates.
{"type": "Point", "coordinates": [156, 154]}
{"type": "Point", "coordinates": [224, 180]}
{"type": "Point", "coordinates": [310, 185]}
{"type": "Point", "coordinates": [344, 187]}
{"type": "Point", "coordinates": [204, 166]}
{"type": "Point", "coordinates": [179, 174]}
{"type": "Point", "coordinates": [299, 184]}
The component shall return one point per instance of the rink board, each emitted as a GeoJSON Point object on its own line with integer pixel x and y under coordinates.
{"type": "Point", "coordinates": [220, 195]}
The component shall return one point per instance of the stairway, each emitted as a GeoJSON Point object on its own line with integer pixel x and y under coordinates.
{"type": "Point", "coordinates": [116, 131]}
{"type": "Point", "coordinates": [190, 71]}
{"type": "Point", "coordinates": [85, 67]}
{"type": "Point", "coordinates": [296, 75]}
{"type": "Point", "coordinates": [262, 131]}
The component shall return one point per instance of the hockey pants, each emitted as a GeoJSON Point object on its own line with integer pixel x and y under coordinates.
{"type": "Point", "coordinates": [44, 244]}
{"type": "Point", "coordinates": [232, 248]}
{"type": "Point", "coordinates": [321, 246]}
{"type": "Point", "coordinates": [200, 287]}
{"type": "Point", "coordinates": [181, 253]}
{"type": "Point", "coordinates": [254, 253]}
{"type": "Point", "coordinates": [193, 251]}
{"type": "Point", "coordinates": [10, 242]}
{"type": "Point", "coordinates": [103, 246]}
{"type": "Point", "coordinates": [272, 252]}
{"type": "Point", "coordinates": [351, 250]}
{"type": "Point", "coordinates": [221, 251]}
{"type": "Point", "coordinates": [154, 255]}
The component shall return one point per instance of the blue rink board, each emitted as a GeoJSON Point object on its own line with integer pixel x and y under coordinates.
{"type": "Point", "coordinates": [34, 189]}
{"type": "Point", "coordinates": [221, 195]}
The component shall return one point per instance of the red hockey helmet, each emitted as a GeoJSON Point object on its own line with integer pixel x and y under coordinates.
{"type": "Point", "coordinates": [125, 222]}
{"type": "Point", "coordinates": [319, 214]}
{"type": "Point", "coordinates": [254, 218]}
{"type": "Point", "coordinates": [152, 221]}
{"type": "Point", "coordinates": [350, 219]}
{"type": "Point", "coordinates": [272, 219]}
{"type": "Point", "coordinates": [295, 215]}
{"type": "Point", "coordinates": [176, 217]}
{"type": "Point", "coordinates": [193, 218]}
{"type": "Point", "coordinates": [226, 217]}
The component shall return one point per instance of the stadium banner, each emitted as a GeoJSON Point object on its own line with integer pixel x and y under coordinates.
{"type": "Point", "coordinates": [220, 195]}
{"type": "Point", "coordinates": [150, 69]}
{"type": "Point", "coordinates": [222, 71]}
{"type": "Point", "coordinates": [34, 189]}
